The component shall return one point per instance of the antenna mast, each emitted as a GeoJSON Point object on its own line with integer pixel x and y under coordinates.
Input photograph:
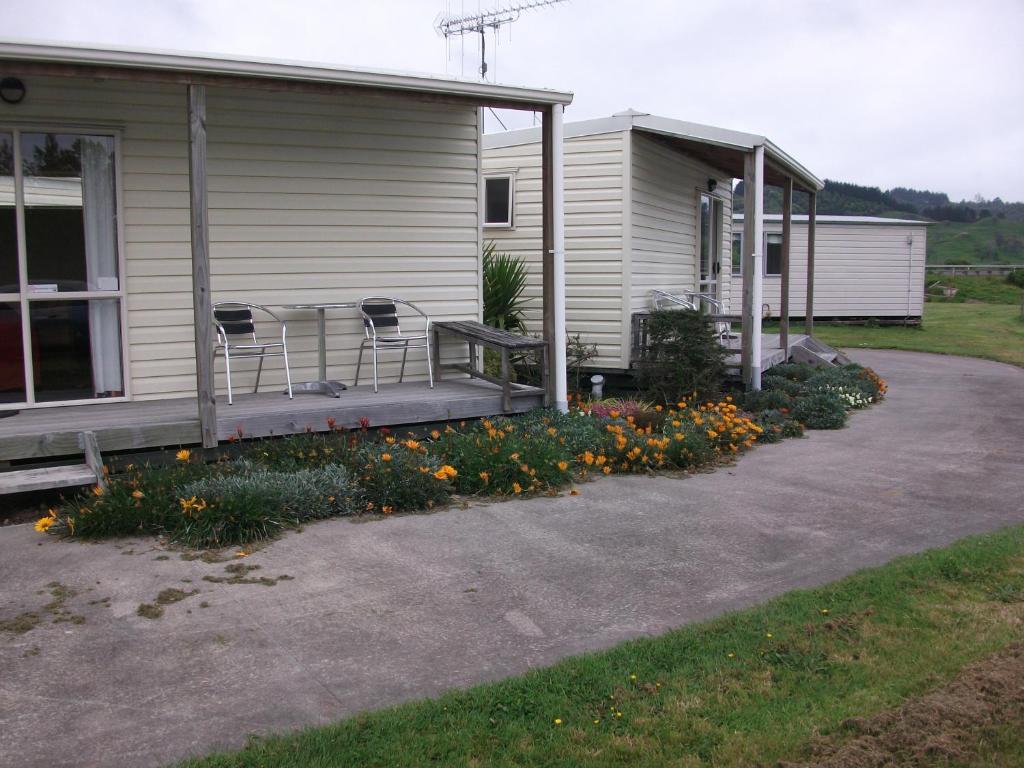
{"type": "Point", "coordinates": [479, 23]}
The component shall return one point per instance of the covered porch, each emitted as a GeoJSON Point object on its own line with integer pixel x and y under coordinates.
{"type": "Point", "coordinates": [280, 184]}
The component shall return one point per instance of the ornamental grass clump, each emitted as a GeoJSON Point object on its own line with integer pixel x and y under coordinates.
{"type": "Point", "coordinates": [502, 457]}
{"type": "Point", "coordinates": [777, 425]}
{"type": "Point", "coordinates": [766, 400]}
{"type": "Point", "coordinates": [820, 410]}
{"type": "Point", "coordinates": [401, 476]}
{"type": "Point", "coordinates": [250, 503]}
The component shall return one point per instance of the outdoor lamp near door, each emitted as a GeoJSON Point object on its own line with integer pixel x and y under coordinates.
{"type": "Point", "coordinates": [12, 90]}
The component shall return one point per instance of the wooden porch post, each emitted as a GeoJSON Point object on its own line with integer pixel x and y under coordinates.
{"type": "Point", "coordinates": [812, 213]}
{"type": "Point", "coordinates": [753, 280]}
{"type": "Point", "coordinates": [200, 235]}
{"type": "Point", "coordinates": [787, 235]}
{"type": "Point", "coordinates": [553, 255]}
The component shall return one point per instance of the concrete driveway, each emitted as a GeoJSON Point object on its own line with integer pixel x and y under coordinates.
{"type": "Point", "coordinates": [381, 612]}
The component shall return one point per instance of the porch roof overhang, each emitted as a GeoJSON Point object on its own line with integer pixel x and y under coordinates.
{"type": "Point", "coordinates": [45, 58]}
{"type": "Point", "coordinates": [719, 147]}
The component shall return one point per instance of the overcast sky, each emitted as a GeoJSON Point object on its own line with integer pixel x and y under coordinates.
{"type": "Point", "coordinates": [920, 93]}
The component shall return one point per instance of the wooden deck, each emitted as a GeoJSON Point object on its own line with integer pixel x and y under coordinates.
{"type": "Point", "coordinates": [52, 432]}
{"type": "Point", "coordinates": [772, 353]}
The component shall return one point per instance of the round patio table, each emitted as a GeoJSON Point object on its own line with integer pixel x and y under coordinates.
{"type": "Point", "coordinates": [323, 385]}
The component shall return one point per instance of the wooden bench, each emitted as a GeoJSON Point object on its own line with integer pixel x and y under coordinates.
{"type": "Point", "coordinates": [474, 334]}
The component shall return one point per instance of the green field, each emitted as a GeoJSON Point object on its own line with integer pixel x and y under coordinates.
{"type": "Point", "coordinates": [991, 331]}
{"type": "Point", "coordinates": [750, 688]}
{"type": "Point", "coordinates": [990, 289]}
{"type": "Point", "coordinates": [987, 241]}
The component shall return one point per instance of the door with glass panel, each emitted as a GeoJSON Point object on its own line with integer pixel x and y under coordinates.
{"type": "Point", "coordinates": [709, 245]}
{"type": "Point", "coordinates": [60, 283]}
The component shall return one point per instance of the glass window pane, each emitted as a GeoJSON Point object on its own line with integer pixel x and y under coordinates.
{"type": "Point", "coordinates": [737, 253]}
{"type": "Point", "coordinates": [12, 368]}
{"type": "Point", "coordinates": [705, 236]}
{"type": "Point", "coordinates": [8, 220]}
{"type": "Point", "coordinates": [70, 221]}
{"type": "Point", "coordinates": [76, 349]}
{"type": "Point", "coordinates": [773, 255]}
{"type": "Point", "coordinates": [497, 193]}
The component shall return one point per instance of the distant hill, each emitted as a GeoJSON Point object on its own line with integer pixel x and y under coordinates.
{"type": "Point", "coordinates": [969, 232]}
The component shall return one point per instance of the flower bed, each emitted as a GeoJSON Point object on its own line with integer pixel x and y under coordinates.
{"type": "Point", "coordinates": [277, 484]}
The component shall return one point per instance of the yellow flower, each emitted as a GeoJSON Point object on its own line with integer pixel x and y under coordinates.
{"type": "Point", "coordinates": [385, 457]}
{"type": "Point", "coordinates": [412, 445]}
{"type": "Point", "coordinates": [517, 488]}
{"type": "Point", "coordinates": [712, 434]}
{"type": "Point", "coordinates": [558, 721]}
{"type": "Point", "coordinates": [137, 494]}
{"type": "Point", "coordinates": [607, 470]}
{"type": "Point", "coordinates": [563, 465]}
{"type": "Point", "coordinates": [43, 524]}
{"type": "Point", "coordinates": [183, 455]}
{"type": "Point", "coordinates": [97, 490]}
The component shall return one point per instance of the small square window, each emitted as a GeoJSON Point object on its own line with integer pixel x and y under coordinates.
{"type": "Point", "coordinates": [498, 195]}
{"type": "Point", "coordinates": [773, 254]}
{"type": "Point", "coordinates": [737, 253]}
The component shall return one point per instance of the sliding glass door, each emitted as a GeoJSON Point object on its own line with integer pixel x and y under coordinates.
{"type": "Point", "coordinates": [60, 282]}
{"type": "Point", "coordinates": [710, 223]}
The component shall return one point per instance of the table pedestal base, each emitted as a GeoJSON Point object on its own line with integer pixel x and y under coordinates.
{"type": "Point", "coordinates": [332, 388]}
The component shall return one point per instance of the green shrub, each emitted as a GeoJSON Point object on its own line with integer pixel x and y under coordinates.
{"type": "Point", "coordinates": [777, 426]}
{"type": "Point", "coordinates": [502, 457]}
{"type": "Point", "coordinates": [791, 387]}
{"type": "Point", "coordinates": [504, 280]}
{"type": "Point", "coordinates": [295, 452]}
{"type": "Point", "coordinates": [794, 371]}
{"type": "Point", "coordinates": [820, 410]}
{"type": "Point", "coordinates": [1015, 277]}
{"type": "Point", "coordinates": [683, 356]}
{"type": "Point", "coordinates": [402, 476]}
{"type": "Point", "coordinates": [766, 400]}
{"type": "Point", "coordinates": [851, 383]}
{"type": "Point", "coordinates": [574, 430]}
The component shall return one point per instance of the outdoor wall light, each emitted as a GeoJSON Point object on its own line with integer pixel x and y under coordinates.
{"type": "Point", "coordinates": [12, 90]}
{"type": "Point", "coordinates": [712, 184]}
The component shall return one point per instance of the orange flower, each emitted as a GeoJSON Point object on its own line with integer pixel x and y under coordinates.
{"type": "Point", "coordinates": [485, 477]}
{"type": "Point", "coordinates": [435, 434]}
{"type": "Point", "coordinates": [517, 488]}
{"type": "Point", "coordinates": [183, 455]}
{"type": "Point", "coordinates": [385, 457]}
{"type": "Point", "coordinates": [563, 465]}
{"type": "Point", "coordinates": [136, 494]}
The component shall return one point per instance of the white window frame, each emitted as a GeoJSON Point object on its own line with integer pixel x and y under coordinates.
{"type": "Point", "coordinates": [717, 237]}
{"type": "Point", "coordinates": [509, 223]}
{"type": "Point", "coordinates": [26, 297]}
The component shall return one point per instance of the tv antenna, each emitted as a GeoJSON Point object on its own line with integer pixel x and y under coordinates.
{"type": "Point", "coordinates": [479, 23]}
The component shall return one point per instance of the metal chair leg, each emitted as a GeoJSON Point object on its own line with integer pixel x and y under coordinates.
{"type": "Point", "coordinates": [430, 365]}
{"type": "Point", "coordinates": [359, 363]}
{"type": "Point", "coordinates": [375, 369]}
{"type": "Point", "coordinates": [259, 373]}
{"type": "Point", "coordinates": [287, 371]}
{"type": "Point", "coordinates": [405, 354]}
{"type": "Point", "coordinates": [227, 370]}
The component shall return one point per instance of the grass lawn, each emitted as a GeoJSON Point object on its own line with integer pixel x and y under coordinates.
{"type": "Point", "coordinates": [991, 331]}
{"type": "Point", "coordinates": [752, 687]}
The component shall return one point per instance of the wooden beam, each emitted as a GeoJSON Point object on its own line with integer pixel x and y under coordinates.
{"type": "Point", "coordinates": [747, 267]}
{"type": "Point", "coordinates": [547, 249]}
{"type": "Point", "coordinates": [202, 304]}
{"type": "Point", "coordinates": [93, 458]}
{"type": "Point", "coordinates": [812, 214]}
{"type": "Point", "coordinates": [787, 239]}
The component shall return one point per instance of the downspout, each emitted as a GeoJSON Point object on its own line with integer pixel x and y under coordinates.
{"type": "Point", "coordinates": [558, 247]}
{"type": "Point", "coordinates": [910, 275]}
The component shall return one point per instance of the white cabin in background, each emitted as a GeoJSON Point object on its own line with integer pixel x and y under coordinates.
{"type": "Point", "coordinates": [865, 267]}
{"type": "Point", "coordinates": [648, 206]}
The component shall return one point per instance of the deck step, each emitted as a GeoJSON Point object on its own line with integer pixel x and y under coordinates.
{"type": "Point", "coordinates": [46, 478]}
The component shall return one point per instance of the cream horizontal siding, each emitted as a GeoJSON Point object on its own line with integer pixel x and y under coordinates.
{"type": "Point", "coordinates": [666, 185]}
{"type": "Point", "coordinates": [311, 199]}
{"type": "Point", "coordinates": [593, 235]}
{"type": "Point", "coordinates": [860, 270]}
